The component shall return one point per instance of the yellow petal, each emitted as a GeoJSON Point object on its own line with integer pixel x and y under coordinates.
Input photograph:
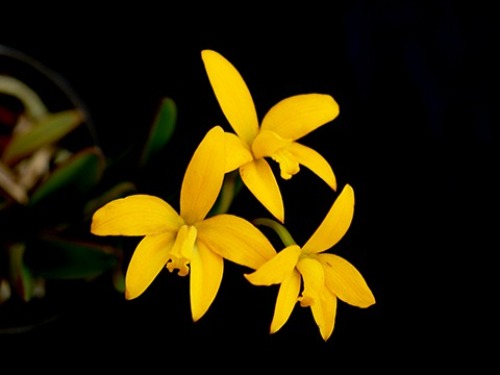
{"type": "Point", "coordinates": [334, 225]}
{"type": "Point", "coordinates": [232, 94]}
{"type": "Point", "coordinates": [235, 239]}
{"type": "Point", "coordinates": [206, 276]}
{"type": "Point", "coordinates": [135, 215]}
{"type": "Point", "coordinates": [237, 152]}
{"type": "Point", "coordinates": [345, 281]}
{"type": "Point", "coordinates": [204, 176]}
{"type": "Point", "coordinates": [148, 259]}
{"type": "Point", "coordinates": [325, 315]}
{"type": "Point", "coordinates": [266, 143]}
{"type": "Point", "coordinates": [312, 160]}
{"type": "Point", "coordinates": [275, 270]}
{"type": "Point", "coordinates": [259, 179]}
{"type": "Point", "coordinates": [287, 298]}
{"type": "Point", "coordinates": [298, 115]}
{"type": "Point", "coordinates": [314, 281]}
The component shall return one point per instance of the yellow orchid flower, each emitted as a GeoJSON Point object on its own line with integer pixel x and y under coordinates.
{"type": "Point", "coordinates": [285, 123]}
{"type": "Point", "coordinates": [188, 242]}
{"type": "Point", "coordinates": [326, 277]}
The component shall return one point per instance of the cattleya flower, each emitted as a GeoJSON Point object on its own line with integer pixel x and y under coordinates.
{"type": "Point", "coordinates": [187, 241]}
{"type": "Point", "coordinates": [326, 276]}
{"type": "Point", "coordinates": [285, 123]}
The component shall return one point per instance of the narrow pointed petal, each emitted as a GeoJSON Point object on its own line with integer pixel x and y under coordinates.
{"type": "Point", "coordinates": [325, 315]}
{"type": "Point", "coordinates": [148, 259]}
{"type": "Point", "coordinates": [235, 239]}
{"type": "Point", "coordinates": [312, 160]}
{"type": "Point", "coordinates": [135, 215]}
{"type": "Point", "coordinates": [345, 281]}
{"type": "Point", "coordinates": [232, 94]}
{"type": "Point", "coordinates": [258, 177]}
{"type": "Point", "coordinates": [334, 225]}
{"type": "Point", "coordinates": [204, 176]}
{"type": "Point", "coordinates": [299, 115]}
{"type": "Point", "coordinates": [206, 276]}
{"type": "Point", "coordinates": [237, 152]}
{"type": "Point", "coordinates": [275, 270]}
{"type": "Point", "coordinates": [287, 298]}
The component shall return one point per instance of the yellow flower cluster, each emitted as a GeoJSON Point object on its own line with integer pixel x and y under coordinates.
{"type": "Point", "coordinates": [195, 242]}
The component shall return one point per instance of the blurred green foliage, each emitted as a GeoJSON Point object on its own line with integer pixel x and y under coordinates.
{"type": "Point", "coordinates": [49, 191]}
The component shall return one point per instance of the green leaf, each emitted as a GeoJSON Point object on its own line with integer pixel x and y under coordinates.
{"type": "Point", "coordinates": [119, 280]}
{"type": "Point", "coordinates": [81, 172]}
{"type": "Point", "coordinates": [58, 258]}
{"type": "Point", "coordinates": [21, 276]}
{"type": "Point", "coordinates": [230, 188]}
{"type": "Point", "coordinates": [161, 130]}
{"type": "Point", "coordinates": [30, 99]}
{"type": "Point", "coordinates": [119, 190]}
{"type": "Point", "coordinates": [10, 187]}
{"type": "Point", "coordinates": [47, 131]}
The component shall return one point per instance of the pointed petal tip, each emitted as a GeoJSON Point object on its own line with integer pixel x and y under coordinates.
{"type": "Point", "coordinates": [277, 212]}
{"type": "Point", "coordinates": [132, 294]}
{"type": "Point", "coordinates": [333, 185]}
{"type": "Point", "coordinates": [197, 313]}
{"type": "Point", "coordinates": [369, 299]}
{"type": "Point", "coordinates": [331, 105]}
{"type": "Point", "coordinates": [217, 128]}
{"type": "Point", "coordinates": [274, 327]}
{"type": "Point", "coordinates": [248, 277]}
{"type": "Point", "coordinates": [93, 227]}
{"type": "Point", "coordinates": [197, 316]}
{"type": "Point", "coordinates": [128, 295]}
{"type": "Point", "coordinates": [205, 52]}
{"type": "Point", "coordinates": [369, 302]}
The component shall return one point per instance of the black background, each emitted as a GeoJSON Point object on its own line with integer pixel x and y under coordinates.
{"type": "Point", "coordinates": [417, 138]}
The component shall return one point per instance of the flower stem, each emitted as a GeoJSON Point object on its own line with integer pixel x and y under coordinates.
{"type": "Point", "coordinates": [230, 187]}
{"type": "Point", "coordinates": [279, 228]}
